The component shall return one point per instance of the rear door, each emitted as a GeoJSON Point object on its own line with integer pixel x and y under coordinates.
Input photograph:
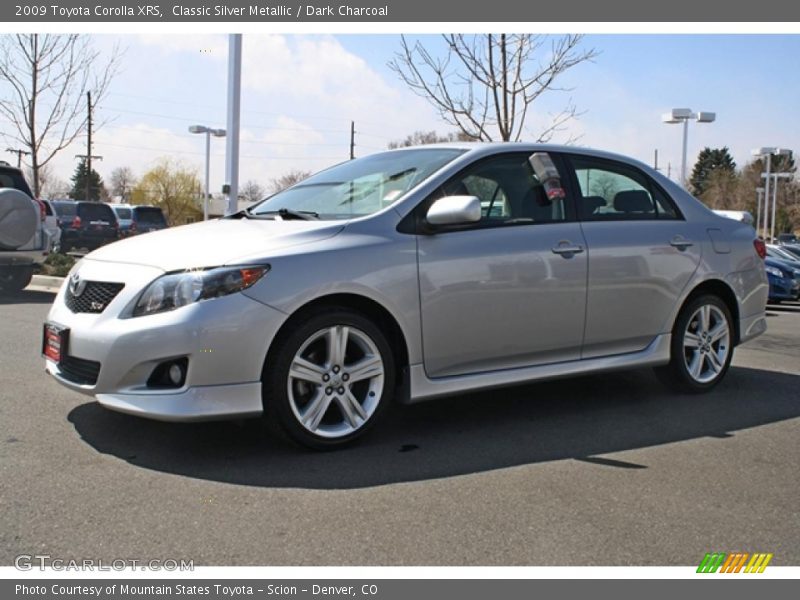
{"type": "Point", "coordinates": [642, 254]}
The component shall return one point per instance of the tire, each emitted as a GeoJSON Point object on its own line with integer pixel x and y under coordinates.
{"type": "Point", "coordinates": [312, 393]}
{"type": "Point", "coordinates": [15, 279]}
{"type": "Point", "coordinates": [701, 348]}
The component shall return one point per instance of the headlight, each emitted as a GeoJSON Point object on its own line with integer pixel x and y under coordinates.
{"type": "Point", "coordinates": [774, 271]}
{"type": "Point", "coordinates": [174, 290]}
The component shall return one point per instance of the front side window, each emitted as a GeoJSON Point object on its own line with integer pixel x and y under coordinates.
{"type": "Point", "coordinates": [360, 187]}
{"type": "Point", "coordinates": [613, 191]}
{"type": "Point", "coordinates": [509, 191]}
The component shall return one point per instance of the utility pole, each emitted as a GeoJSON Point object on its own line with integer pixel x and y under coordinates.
{"type": "Point", "coordinates": [19, 152]}
{"type": "Point", "coordinates": [655, 160]}
{"type": "Point", "coordinates": [89, 146]}
{"type": "Point", "coordinates": [352, 140]}
{"type": "Point", "coordinates": [87, 158]}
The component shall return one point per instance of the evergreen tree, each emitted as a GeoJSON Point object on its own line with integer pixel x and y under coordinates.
{"type": "Point", "coordinates": [709, 161]}
{"type": "Point", "coordinates": [97, 189]}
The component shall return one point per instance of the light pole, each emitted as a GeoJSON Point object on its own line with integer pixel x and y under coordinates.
{"type": "Point", "coordinates": [760, 192]}
{"type": "Point", "coordinates": [684, 115]}
{"type": "Point", "coordinates": [768, 152]}
{"type": "Point", "coordinates": [209, 132]}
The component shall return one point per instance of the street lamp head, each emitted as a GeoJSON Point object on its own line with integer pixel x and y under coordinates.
{"type": "Point", "coordinates": [218, 132]}
{"type": "Point", "coordinates": [681, 113]}
{"type": "Point", "coordinates": [706, 117]}
{"type": "Point", "coordinates": [668, 118]}
{"type": "Point", "coordinates": [198, 129]}
{"type": "Point", "coordinates": [764, 151]}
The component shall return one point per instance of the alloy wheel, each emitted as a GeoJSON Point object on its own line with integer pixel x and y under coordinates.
{"type": "Point", "coordinates": [706, 343]}
{"type": "Point", "coordinates": [335, 381]}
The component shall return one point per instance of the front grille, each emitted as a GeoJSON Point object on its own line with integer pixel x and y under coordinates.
{"type": "Point", "coordinates": [79, 370]}
{"type": "Point", "coordinates": [94, 298]}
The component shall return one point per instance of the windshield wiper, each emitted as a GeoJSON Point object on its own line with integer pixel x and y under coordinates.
{"type": "Point", "coordinates": [242, 214]}
{"type": "Point", "coordinates": [288, 213]}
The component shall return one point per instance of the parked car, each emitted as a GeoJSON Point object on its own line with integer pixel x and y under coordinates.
{"type": "Point", "coordinates": [51, 225]}
{"type": "Point", "coordinates": [24, 241]}
{"type": "Point", "coordinates": [124, 216]}
{"type": "Point", "coordinates": [390, 277]}
{"type": "Point", "coordinates": [147, 219]}
{"type": "Point", "coordinates": [742, 216]}
{"type": "Point", "coordinates": [85, 224]}
{"type": "Point", "coordinates": [784, 280]}
{"type": "Point", "coordinates": [787, 238]}
{"type": "Point", "coordinates": [793, 249]}
{"type": "Point", "coordinates": [135, 218]}
{"type": "Point", "coordinates": [781, 253]}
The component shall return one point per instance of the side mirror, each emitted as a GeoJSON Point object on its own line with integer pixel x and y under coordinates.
{"type": "Point", "coordinates": [454, 210]}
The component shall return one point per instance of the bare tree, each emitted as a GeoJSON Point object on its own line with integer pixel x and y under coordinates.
{"type": "Point", "coordinates": [419, 138]}
{"type": "Point", "coordinates": [486, 84]}
{"type": "Point", "coordinates": [287, 180]}
{"type": "Point", "coordinates": [46, 77]}
{"type": "Point", "coordinates": [252, 191]}
{"type": "Point", "coordinates": [122, 183]}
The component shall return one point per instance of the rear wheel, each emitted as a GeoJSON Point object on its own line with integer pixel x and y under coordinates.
{"type": "Point", "coordinates": [15, 279]}
{"type": "Point", "coordinates": [327, 381]}
{"type": "Point", "coordinates": [702, 346]}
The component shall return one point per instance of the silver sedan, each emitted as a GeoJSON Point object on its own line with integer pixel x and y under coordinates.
{"type": "Point", "coordinates": [409, 275]}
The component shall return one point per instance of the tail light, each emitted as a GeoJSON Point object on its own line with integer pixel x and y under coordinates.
{"type": "Point", "coordinates": [76, 222]}
{"type": "Point", "coordinates": [42, 211]}
{"type": "Point", "coordinates": [133, 226]}
{"type": "Point", "coordinates": [761, 248]}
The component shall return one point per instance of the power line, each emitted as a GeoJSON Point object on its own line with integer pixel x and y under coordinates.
{"type": "Point", "coordinates": [19, 152]}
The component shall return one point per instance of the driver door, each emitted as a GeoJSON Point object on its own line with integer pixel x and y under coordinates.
{"type": "Point", "coordinates": [510, 290]}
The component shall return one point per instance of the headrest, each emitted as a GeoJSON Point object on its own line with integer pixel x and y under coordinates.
{"type": "Point", "coordinates": [630, 201]}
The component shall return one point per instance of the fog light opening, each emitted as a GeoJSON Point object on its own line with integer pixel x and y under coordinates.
{"type": "Point", "coordinates": [169, 374]}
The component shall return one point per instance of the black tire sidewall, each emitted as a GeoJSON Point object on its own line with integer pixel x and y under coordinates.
{"type": "Point", "coordinates": [276, 371]}
{"type": "Point", "coordinates": [678, 371]}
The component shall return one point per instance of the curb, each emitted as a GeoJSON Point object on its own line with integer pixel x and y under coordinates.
{"type": "Point", "coordinates": [45, 283]}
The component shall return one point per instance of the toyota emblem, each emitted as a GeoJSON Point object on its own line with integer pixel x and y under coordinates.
{"type": "Point", "coordinates": [76, 285]}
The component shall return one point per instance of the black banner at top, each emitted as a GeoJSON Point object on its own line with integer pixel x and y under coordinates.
{"type": "Point", "coordinates": [233, 11]}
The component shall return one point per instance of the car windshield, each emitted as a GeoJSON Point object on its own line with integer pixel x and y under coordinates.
{"type": "Point", "coordinates": [359, 187]}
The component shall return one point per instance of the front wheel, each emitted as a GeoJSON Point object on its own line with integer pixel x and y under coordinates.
{"type": "Point", "coordinates": [702, 346]}
{"type": "Point", "coordinates": [329, 378]}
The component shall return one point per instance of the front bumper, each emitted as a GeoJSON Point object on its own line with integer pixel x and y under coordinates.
{"type": "Point", "coordinates": [225, 341]}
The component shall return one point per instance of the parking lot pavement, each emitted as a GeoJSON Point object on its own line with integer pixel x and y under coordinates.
{"type": "Point", "coordinates": [602, 470]}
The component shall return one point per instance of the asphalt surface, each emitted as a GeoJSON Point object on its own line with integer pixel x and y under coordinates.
{"type": "Point", "coordinates": [601, 470]}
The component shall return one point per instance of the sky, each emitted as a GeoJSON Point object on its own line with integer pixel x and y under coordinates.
{"type": "Point", "coordinates": [300, 93]}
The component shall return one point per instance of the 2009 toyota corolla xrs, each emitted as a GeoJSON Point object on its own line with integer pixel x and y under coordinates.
{"type": "Point", "coordinates": [407, 275]}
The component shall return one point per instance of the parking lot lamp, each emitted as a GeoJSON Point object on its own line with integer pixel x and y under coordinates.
{"type": "Point", "coordinates": [209, 132]}
{"type": "Point", "coordinates": [768, 152]}
{"type": "Point", "coordinates": [684, 115]}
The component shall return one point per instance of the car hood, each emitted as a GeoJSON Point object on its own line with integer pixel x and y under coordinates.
{"type": "Point", "coordinates": [214, 243]}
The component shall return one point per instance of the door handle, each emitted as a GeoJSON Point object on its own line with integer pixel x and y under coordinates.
{"type": "Point", "coordinates": [681, 243]}
{"type": "Point", "coordinates": [567, 248]}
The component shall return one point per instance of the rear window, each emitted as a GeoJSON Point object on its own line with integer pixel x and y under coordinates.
{"type": "Point", "coordinates": [123, 213]}
{"type": "Point", "coordinates": [149, 214]}
{"type": "Point", "coordinates": [11, 178]}
{"type": "Point", "coordinates": [91, 211]}
{"type": "Point", "coordinates": [65, 209]}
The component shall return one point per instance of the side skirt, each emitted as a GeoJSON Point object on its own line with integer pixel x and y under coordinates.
{"type": "Point", "coordinates": [421, 387]}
